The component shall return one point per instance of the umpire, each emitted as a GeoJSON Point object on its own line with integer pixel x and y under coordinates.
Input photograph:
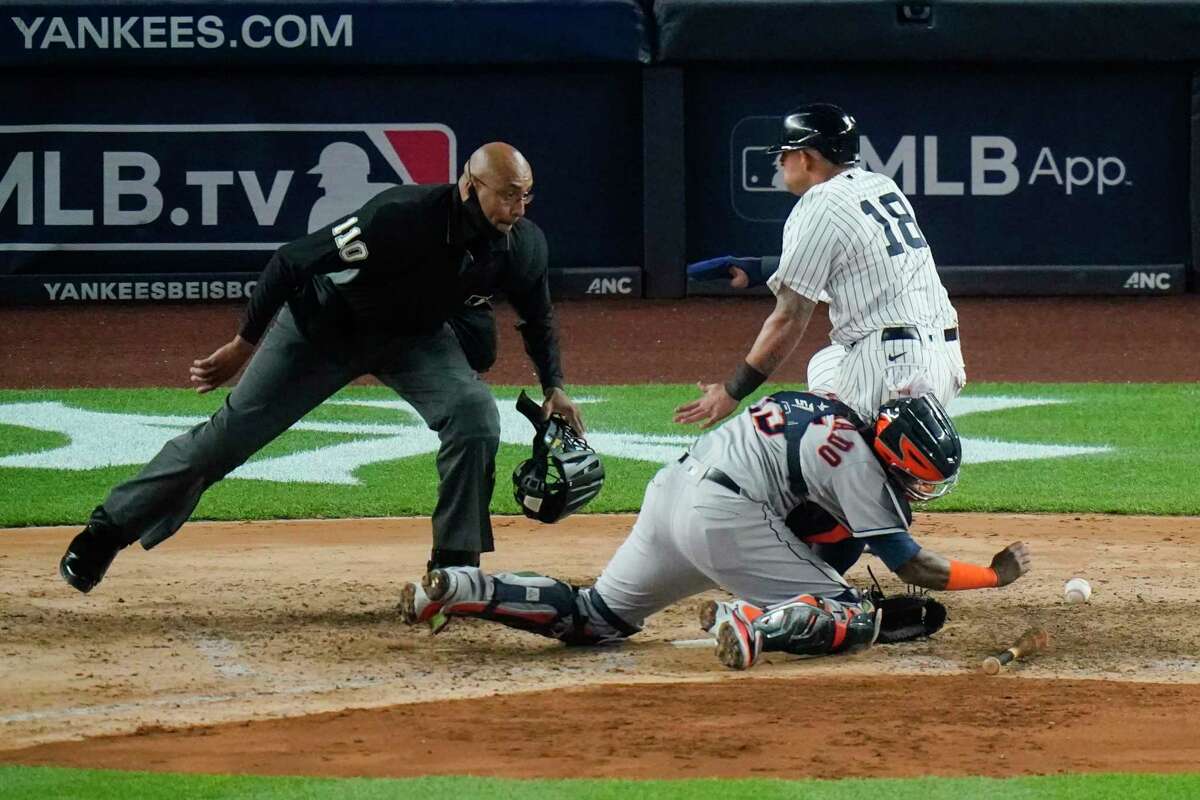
{"type": "Point", "coordinates": [400, 290]}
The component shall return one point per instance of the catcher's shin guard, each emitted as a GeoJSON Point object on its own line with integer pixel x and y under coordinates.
{"type": "Point", "coordinates": [813, 626]}
{"type": "Point", "coordinates": [528, 602]}
{"type": "Point", "coordinates": [806, 626]}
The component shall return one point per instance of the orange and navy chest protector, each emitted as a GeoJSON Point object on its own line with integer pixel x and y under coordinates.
{"type": "Point", "coordinates": [833, 543]}
{"type": "Point", "coordinates": [827, 536]}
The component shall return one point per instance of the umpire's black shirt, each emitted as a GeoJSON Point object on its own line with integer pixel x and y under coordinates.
{"type": "Point", "coordinates": [405, 263]}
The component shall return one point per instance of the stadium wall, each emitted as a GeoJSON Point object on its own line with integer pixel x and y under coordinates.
{"type": "Point", "coordinates": [159, 145]}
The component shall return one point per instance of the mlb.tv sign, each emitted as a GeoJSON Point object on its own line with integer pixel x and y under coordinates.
{"type": "Point", "coordinates": [123, 190]}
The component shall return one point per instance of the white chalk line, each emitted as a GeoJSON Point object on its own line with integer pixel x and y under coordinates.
{"type": "Point", "coordinates": [223, 655]}
{"type": "Point", "coordinates": [707, 641]}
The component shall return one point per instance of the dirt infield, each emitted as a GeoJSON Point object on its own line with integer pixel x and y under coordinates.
{"type": "Point", "coordinates": [274, 648]}
{"type": "Point", "coordinates": [293, 625]}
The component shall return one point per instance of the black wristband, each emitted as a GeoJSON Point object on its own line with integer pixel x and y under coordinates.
{"type": "Point", "coordinates": [744, 381]}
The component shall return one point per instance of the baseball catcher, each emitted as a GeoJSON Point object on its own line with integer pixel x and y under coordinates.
{"type": "Point", "coordinates": [719, 517]}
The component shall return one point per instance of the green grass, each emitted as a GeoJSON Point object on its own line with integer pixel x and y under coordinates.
{"type": "Point", "coordinates": [1153, 427]}
{"type": "Point", "coordinates": [40, 783]}
{"type": "Point", "coordinates": [14, 439]}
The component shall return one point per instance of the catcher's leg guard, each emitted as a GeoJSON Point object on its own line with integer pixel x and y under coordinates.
{"type": "Point", "coordinates": [813, 626]}
{"type": "Point", "coordinates": [525, 601]}
{"type": "Point", "coordinates": [806, 626]}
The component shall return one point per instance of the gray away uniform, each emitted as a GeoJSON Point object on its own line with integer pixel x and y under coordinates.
{"type": "Point", "coordinates": [717, 518]}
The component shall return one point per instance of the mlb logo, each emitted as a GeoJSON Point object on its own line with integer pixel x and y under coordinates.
{"type": "Point", "coordinates": [244, 187]}
{"type": "Point", "coordinates": [415, 153]}
{"type": "Point", "coordinates": [757, 190]}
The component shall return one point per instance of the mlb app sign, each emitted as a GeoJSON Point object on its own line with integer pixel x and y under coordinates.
{"type": "Point", "coordinates": [128, 189]}
{"type": "Point", "coordinates": [977, 165]}
{"type": "Point", "coordinates": [994, 179]}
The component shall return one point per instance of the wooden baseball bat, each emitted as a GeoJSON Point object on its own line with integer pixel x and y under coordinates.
{"type": "Point", "coordinates": [1033, 641]}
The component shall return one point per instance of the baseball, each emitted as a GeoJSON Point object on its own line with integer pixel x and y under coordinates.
{"type": "Point", "coordinates": [1077, 590]}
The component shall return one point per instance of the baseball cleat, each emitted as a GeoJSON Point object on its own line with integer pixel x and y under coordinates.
{"type": "Point", "coordinates": [738, 643]}
{"type": "Point", "coordinates": [714, 612]}
{"type": "Point", "coordinates": [423, 602]}
{"type": "Point", "coordinates": [711, 613]}
{"type": "Point", "coordinates": [87, 559]}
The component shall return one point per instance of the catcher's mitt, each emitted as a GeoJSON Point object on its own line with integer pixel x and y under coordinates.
{"type": "Point", "coordinates": [906, 616]}
{"type": "Point", "coordinates": [909, 616]}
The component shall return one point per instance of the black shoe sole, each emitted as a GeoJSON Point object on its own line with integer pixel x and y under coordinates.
{"type": "Point", "coordinates": [76, 582]}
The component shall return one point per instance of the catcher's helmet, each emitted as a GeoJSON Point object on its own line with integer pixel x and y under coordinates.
{"type": "Point", "coordinates": [919, 448]}
{"type": "Point", "coordinates": [823, 127]}
{"type": "Point", "coordinates": [562, 475]}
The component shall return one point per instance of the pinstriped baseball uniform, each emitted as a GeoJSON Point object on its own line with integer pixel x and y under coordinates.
{"type": "Point", "coordinates": [693, 533]}
{"type": "Point", "coordinates": [855, 238]}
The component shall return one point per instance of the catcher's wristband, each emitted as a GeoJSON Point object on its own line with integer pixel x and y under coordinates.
{"type": "Point", "coordinates": [744, 381]}
{"type": "Point", "coordinates": [970, 576]}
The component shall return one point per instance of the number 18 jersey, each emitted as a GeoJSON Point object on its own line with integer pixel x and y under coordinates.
{"type": "Point", "coordinates": [855, 238]}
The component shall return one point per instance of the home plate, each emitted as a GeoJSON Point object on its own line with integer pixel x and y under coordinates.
{"type": "Point", "coordinates": [705, 642]}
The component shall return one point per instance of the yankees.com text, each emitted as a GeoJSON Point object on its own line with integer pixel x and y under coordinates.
{"type": "Point", "coordinates": [184, 32]}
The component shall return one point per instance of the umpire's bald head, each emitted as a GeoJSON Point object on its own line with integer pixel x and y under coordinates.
{"type": "Point", "coordinates": [502, 180]}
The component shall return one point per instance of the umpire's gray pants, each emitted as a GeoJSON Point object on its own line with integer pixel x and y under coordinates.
{"type": "Point", "coordinates": [288, 377]}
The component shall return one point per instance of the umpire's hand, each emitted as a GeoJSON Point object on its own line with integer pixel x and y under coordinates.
{"type": "Point", "coordinates": [557, 402]}
{"type": "Point", "coordinates": [223, 364]}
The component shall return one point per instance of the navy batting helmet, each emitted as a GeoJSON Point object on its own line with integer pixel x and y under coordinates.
{"type": "Point", "coordinates": [823, 127]}
{"type": "Point", "coordinates": [563, 473]}
{"type": "Point", "coordinates": [918, 445]}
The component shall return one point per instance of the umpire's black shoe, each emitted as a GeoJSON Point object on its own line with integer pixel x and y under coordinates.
{"type": "Point", "coordinates": [89, 555]}
{"type": "Point", "coordinates": [451, 558]}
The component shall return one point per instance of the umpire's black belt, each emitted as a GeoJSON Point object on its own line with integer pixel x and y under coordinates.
{"type": "Point", "coordinates": [715, 475]}
{"type": "Point", "coordinates": [909, 332]}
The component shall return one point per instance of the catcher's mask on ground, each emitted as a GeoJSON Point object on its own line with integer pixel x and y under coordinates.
{"type": "Point", "coordinates": [918, 445]}
{"type": "Point", "coordinates": [562, 475]}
